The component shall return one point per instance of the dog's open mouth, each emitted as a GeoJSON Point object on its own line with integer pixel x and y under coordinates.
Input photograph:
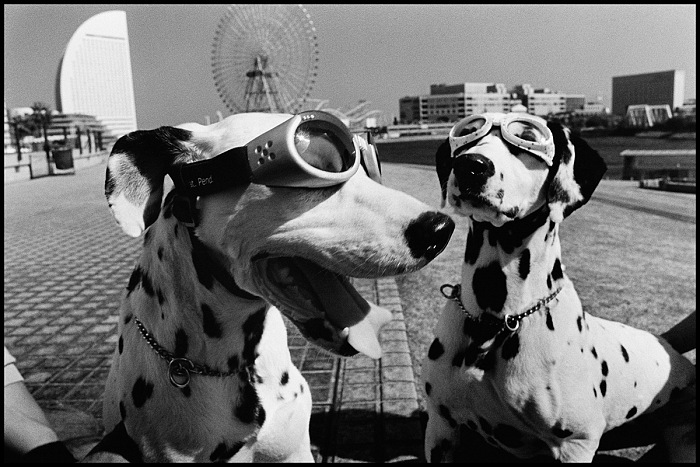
{"type": "Point", "coordinates": [322, 304]}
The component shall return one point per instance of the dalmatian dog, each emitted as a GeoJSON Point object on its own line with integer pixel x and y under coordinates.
{"type": "Point", "coordinates": [515, 360]}
{"type": "Point", "coordinates": [202, 371]}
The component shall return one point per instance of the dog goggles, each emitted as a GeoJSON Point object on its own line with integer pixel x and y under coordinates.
{"type": "Point", "coordinates": [313, 149]}
{"type": "Point", "coordinates": [525, 131]}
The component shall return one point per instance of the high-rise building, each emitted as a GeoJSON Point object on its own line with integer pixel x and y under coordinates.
{"type": "Point", "coordinates": [94, 75]}
{"type": "Point", "coordinates": [660, 88]}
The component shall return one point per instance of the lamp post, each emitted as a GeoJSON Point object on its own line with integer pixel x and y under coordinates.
{"type": "Point", "coordinates": [47, 148]}
{"type": "Point", "coordinates": [18, 139]}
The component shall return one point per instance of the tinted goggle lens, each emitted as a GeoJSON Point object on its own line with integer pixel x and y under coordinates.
{"type": "Point", "coordinates": [322, 149]}
{"type": "Point", "coordinates": [471, 127]}
{"type": "Point", "coordinates": [527, 131]}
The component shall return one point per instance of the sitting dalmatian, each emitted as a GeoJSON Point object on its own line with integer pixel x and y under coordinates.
{"type": "Point", "coordinates": [515, 359]}
{"type": "Point", "coordinates": [260, 215]}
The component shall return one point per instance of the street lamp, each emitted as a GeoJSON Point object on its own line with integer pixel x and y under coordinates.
{"type": "Point", "coordinates": [18, 139]}
{"type": "Point", "coordinates": [47, 148]}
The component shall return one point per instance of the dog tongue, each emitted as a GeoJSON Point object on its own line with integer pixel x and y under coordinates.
{"type": "Point", "coordinates": [345, 308]}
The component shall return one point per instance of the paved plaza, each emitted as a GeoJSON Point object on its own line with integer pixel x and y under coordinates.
{"type": "Point", "coordinates": [66, 266]}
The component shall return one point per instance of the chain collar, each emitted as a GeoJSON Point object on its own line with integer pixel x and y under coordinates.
{"type": "Point", "coordinates": [510, 322]}
{"type": "Point", "coordinates": [179, 368]}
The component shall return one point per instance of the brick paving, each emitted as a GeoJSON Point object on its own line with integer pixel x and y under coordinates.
{"type": "Point", "coordinates": [66, 264]}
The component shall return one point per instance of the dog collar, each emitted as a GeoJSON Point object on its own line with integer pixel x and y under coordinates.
{"type": "Point", "coordinates": [510, 322]}
{"type": "Point", "coordinates": [179, 368]}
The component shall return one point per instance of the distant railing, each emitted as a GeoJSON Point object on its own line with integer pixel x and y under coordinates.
{"type": "Point", "coordinates": [658, 163]}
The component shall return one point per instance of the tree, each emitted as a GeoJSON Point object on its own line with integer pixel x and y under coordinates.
{"type": "Point", "coordinates": [40, 118]}
{"type": "Point", "coordinates": [20, 129]}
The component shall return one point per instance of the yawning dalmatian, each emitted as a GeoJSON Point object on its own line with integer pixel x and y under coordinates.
{"type": "Point", "coordinates": [269, 213]}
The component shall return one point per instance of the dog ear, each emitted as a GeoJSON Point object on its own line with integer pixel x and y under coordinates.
{"type": "Point", "coordinates": [443, 165]}
{"type": "Point", "coordinates": [576, 172]}
{"type": "Point", "coordinates": [136, 169]}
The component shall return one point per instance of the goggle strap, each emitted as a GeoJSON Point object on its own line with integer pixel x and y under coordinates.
{"type": "Point", "coordinates": [228, 169]}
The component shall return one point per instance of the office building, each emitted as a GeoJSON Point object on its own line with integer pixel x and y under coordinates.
{"type": "Point", "coordinates": [450, 103]}
{"type": "Point", "coordinates": [94, 76]}
{"type": "Point", "coordinates": [660, 88]}
{"type": "Point", "coordinates": [447, 103]}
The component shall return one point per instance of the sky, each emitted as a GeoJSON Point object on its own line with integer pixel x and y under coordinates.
{"type": "Point", "coordinates": [377, 53]}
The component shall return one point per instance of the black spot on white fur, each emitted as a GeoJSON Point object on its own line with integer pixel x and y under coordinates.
{"type": "Point", "coordinates": [147, 284]}
{"type": "Point", "coordinates": [489, 287]}
{"type": "Point", "coordinates": [524, 264]}
{"type": "Point", "coordinates": [625, 355]}
{"type": "Point", "coordinates": [511, 347]}
{"type": "Point", "coordinates": [557, 272]}
{"type": "Point", "coordinates": [285, 378]}
{"type": "Point", "coordinates": [252, 333]}
{"type": "Point", "coordinates": [134, 279]}
{"type": "Point", "coordinates": [249, 409]}
{"type": "Point", "coordinates": [210, 324]}
{"type": "Point", "coordinates": [475, 239]}
{"type": "Point", "coordinates": [223, 453]}
{"type": "Point", "coordinates": [141, 392]}
{"type": "Point", "coordinates": [436, 349]}
{"type": "Point", "coordinates": [550, 323]}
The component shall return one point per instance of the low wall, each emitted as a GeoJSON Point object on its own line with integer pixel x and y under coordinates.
{"type": "Point", "coordinates": [18, 171]}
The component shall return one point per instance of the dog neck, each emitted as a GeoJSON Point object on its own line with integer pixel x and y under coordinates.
{"type": "Point", "coordinates": [185, 296]}
{"type": "Point", "coordinates": [507, 269]}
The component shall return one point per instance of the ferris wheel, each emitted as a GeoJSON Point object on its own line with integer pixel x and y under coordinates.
{"type": "Point", "coordinates": [265, 58]}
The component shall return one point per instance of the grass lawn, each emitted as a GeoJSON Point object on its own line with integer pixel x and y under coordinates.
{"type": "Point", "coordinates": [628, 266]}
{"type": "Point", "coordinates": [423, 151]}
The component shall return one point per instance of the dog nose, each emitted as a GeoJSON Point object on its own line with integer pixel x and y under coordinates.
{"type": "Point", "coordinates": [473, 170]}
{"type": "Point", "coordinates": [428, 234]}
